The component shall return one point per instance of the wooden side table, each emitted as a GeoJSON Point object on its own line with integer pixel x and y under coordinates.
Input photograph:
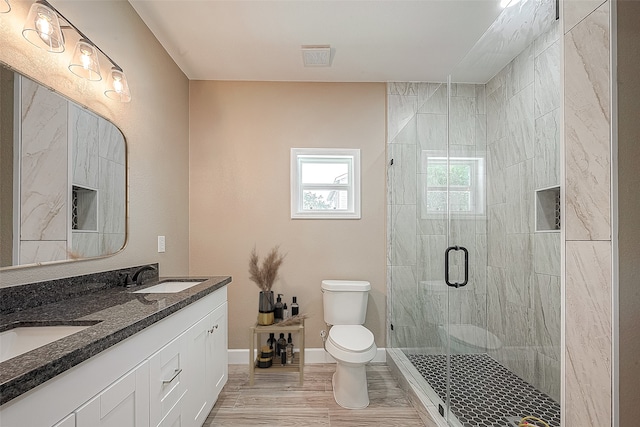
{"type": "Point", "coordinates": [298, 362]}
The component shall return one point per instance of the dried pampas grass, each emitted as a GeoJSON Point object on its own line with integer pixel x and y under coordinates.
{"type": "Point", "coordinates": [294, 320]}
{"type": "Point", "coordinates": [267, 274]}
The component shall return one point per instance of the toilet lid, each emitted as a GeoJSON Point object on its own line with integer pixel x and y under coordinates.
{"type": "Point", "coordinates": [353, 338]}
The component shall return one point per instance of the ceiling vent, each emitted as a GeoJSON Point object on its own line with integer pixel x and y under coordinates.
{"type": "Point", "coordinates": [316, 56]}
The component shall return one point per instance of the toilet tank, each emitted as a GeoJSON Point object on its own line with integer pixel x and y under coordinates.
{"type": "Point", "coordinates": [345, 301]}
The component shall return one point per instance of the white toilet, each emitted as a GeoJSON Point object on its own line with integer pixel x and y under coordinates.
{"type": "Point", "coordinates": [349, 343]}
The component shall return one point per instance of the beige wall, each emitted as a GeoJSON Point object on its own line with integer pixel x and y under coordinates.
{"type": "Point", "coordinates": [241, 134]}
{"type": "Point", "coordinates": [155, 124]}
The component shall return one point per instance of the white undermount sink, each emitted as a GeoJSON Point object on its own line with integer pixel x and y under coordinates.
{"type": "Point", "coordinates": [168, 287]}
{"type": "Point", "coordinates": [17, 341]}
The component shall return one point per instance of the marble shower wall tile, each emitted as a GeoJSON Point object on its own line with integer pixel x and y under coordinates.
{"type": "Point", "coordinates": [520, 198]}
{"type": "Point", "coordinates": [432, 98]}
{"type": "Point", "coordinates": [401, 185]}
{"type": "Point", "coordinates": [587, 124]}
{"type": "Point", "coordinates": [431, 137]}
{"type": "Point", "coordinates": [496, 300]}
{"type": "Point", "coordinates": [521, 72]}
{"type": "Point", "coordinates": [496, 174]}
{"type": "Point", "coordinates": [574, 11]}
{"type": "Point", "coordinates": [481, 131]}
{"type": "Point", "coordinates": [112, 203]}
{"type": "Point", "coordinates": [519, 270]}
{"type": "Point", "coordinates": [547, 150]}
{"type": "Point", "coordinates": [33, 251]}
{"type": "Point", "coordinates": [519, 123]}
{"type": "Point", "coordinates": [463, 119]}
{"type": "Point", "coordinates": [403, 231]}
{"type": "Point", "coordinates": [401, 110]}
{"type": "Point", "coordinates": [112, 143]}
{"type": "Point", "coordinates": [402, 88]}
{"type": "Point", "coordinates": [547, 253]}
{"type": "Point", "coordinates": [85, 146]}
{"type": "Point", "coordinates": [430, 258]}
{"type": "Point", "coordinates": [547, 80]}
{"type": "Point", "coordinates": [588, 334]}
{"type": "Point", "coordinates": [548, 376]}
{"type": "Point", "coordinates": [44, 170]}
{"type": "Point", "coordinates": [496, 114]}
{"type": "Point", "coordinates": [548, 38]}
{"type": "Point", "coordinates": [547, 311]}
{"type": "Point", "coordinates": [85, 244]}
{"type": "Point", "coordinates": [481, 99]}
{"type": "Point", "coordinates": [405, 306]}
{"type": "Point", "coordinates": [110, 243]}
{"type": "Point", "coordinates": [496, 236]}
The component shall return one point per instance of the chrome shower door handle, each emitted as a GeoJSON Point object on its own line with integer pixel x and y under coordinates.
{"type": "Point", "coordinates": [466, 266]}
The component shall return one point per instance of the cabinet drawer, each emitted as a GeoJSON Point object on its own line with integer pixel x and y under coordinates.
{"type": "Point", "coordinates": [167, 380]}
{"type": "Point", "coordinates": [175, 417]}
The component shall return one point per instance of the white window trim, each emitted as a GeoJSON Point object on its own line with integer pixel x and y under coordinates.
{"type": "Point", "coordinates": [476, 189]}
{"type": "Point", "coordinates": [353, 188]}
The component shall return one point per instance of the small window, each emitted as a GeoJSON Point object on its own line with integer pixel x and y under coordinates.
{"type": "Point", "coordinates": [466, 189]}
{"type": "Point", "coordinates": [325, 183]}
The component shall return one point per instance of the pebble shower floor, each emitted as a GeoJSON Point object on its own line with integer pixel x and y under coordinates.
{"type": "Point", "coordinates": [483, 392]}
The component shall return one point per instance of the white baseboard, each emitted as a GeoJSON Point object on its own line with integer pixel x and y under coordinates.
{"type": "Point", "coordinates": [311, 356]}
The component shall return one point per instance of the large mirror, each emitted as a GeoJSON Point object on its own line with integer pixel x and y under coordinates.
{"type": "Point", "coordinates": [62, 177]}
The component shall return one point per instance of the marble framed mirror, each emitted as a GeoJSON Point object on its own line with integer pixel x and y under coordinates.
{"type": "Point", "coordinates": [63, 177]}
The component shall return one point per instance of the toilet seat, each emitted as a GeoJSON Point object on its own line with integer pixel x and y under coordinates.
{"type": "Point", "coordinates": [351, 343]}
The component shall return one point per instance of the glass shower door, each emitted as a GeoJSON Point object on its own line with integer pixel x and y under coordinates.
{"type": "Point", "coordinates": [465, 258]}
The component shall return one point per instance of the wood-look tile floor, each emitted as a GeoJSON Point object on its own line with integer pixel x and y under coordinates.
{"type": "Point", "coordinates": [277, 399]}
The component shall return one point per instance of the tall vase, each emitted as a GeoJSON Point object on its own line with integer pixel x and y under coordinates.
{"type": "Point", "coordinates": [265, 308]}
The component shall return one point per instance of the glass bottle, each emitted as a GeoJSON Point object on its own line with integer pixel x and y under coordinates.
{"type": "Point", "coordinates": [289, 349]}
{"type": "Point", "coordinates": [282, 345]}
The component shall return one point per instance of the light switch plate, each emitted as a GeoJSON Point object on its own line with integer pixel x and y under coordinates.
{"type": "Point", "coordinates": [161, 244]}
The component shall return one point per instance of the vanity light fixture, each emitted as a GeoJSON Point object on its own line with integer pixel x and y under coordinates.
{"type": "Point", "coordinates": [5, 6]}
{"type": "Point", "coordinates": [43, 29]}
{"type": "Point", "coordinates": [84, 62]}
{"type": "Point", "coordinates": [117, 86]}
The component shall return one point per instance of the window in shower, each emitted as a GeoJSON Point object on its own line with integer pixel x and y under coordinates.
{"type": "Point", "coordinates": [466, 185]}
{"type": "Point", "coordinates": [325, 183]}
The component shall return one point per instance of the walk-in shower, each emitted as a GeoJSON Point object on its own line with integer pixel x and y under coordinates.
{"type": "Point", "coordinates": [474, 227]}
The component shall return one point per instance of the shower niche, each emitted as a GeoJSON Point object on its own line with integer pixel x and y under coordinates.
{"type": "Point", "coordinates": [548, 209]}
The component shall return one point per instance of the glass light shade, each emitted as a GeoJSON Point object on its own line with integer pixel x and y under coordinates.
{"type": "Point", "coordinates": [84, 62]}
{"type": "Point", "coordinates": [42, 28]}
{"type": "Point", "coordinates": [5, 6]}
{"type": "Point", "coordinates": [117, 86]}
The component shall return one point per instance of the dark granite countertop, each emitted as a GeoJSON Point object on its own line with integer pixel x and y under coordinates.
{"type": "Point", "coordinates": [119, 313]}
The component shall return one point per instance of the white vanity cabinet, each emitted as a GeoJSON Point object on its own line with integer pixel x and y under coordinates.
{"type": "Point", "coordinates": [167, 384]}
{"type": "Point", "coordinates": [123, 403]}
{"type": "Point", "coordinates": [168, 374]}
{"type": "Point", "coordinates": [69, 421]}
{"type": "Point", "coordinates": [207, 349]}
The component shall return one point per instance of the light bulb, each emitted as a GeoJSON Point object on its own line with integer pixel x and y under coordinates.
{"type": "Point", "coordinates": [84, 62]}
{"type": "Point", "coordinates": [42, 28]}
{"type": "Point", "coordinates": [117, 86]}
{"type": "Point", "coordinates": [85, 58]}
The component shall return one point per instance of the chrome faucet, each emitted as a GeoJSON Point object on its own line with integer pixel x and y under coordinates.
{"type": "Point", "coordinates": [137, 275]}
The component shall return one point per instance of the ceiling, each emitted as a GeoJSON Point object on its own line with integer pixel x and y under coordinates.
{"type": "Point", "coordinates": [371, 40]}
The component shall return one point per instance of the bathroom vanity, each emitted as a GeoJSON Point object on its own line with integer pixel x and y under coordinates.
{"type": "Point", "coordinates": [142, 359]}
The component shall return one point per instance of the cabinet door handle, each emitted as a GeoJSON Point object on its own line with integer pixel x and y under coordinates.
{"type": "Point", "coordinates": [175, 374]}
{"type": "Point", "coordinates": [212, 330]}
